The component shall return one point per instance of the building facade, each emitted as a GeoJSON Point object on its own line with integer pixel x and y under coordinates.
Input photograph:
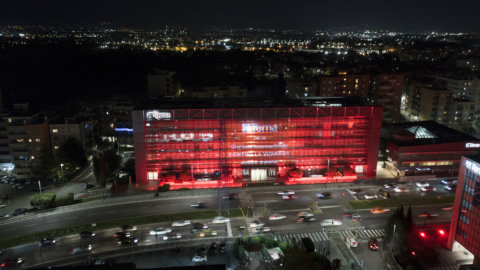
{"type": "Point", "coordinates": [466, 210]}
{"type": "Point", "coordinates": [256, 144]}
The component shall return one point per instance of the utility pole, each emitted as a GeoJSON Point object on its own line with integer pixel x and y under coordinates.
{"type": "Point", "coordinates": [40, 187]}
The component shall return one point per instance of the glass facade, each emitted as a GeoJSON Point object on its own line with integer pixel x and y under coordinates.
{"type": "Point", "coordinates": [256, 144]}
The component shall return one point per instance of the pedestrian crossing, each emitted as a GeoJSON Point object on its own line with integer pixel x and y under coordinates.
{"type": "Point", "coordinates": [444, 267]}
{"type": "Point", "coordinates": [324, 236]}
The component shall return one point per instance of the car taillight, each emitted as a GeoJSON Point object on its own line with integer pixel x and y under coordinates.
{"type": "Point", "coordinates": [3, 265]}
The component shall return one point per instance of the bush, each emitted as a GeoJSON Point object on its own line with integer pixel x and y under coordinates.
{"type": "Point", "coordinates": [255, 240]}
{"type": "Point", "coordinates": [65, 200]}
{"type": "Point", "coordinates": [283, 246]}
{"type": "Point", "coordinates": [164, 188]}
{"type": "Point", "coordinates": [43, 201]}
{"type": "Point", "coordinates": [269, 242]}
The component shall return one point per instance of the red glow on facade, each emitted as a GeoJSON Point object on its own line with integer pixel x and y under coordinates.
{"type": "Point", "coordinates": [194, 148]}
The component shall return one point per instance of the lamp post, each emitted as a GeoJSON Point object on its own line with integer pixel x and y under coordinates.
{"type": "Point", "coordinates": [61, 168]}
{"type": "Point", "coordinates": [40, 188]}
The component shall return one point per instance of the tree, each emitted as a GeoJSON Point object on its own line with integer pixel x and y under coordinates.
{"type": "Point", "coordinates": [295, 257]}
{"type": "Point", "coordinates": [112, 160]}
{"type": "Point", "coordinates": [99, 170]}
{"type": "Point", "coordinates": [45, 167]}
{"type": "Point", "coordinates": [72, 154]}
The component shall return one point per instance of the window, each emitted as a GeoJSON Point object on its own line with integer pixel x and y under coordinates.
{"type": "Point", "coordinates": [55, 147]}
{"type": "Point", "coordinates": [20, 140]}
{"type": "Point", "coordinates": [54, 130]}
{"type": "Point", "coordinates": [37, 139]}
{"type": "Point", "coordinates": [152, 175]}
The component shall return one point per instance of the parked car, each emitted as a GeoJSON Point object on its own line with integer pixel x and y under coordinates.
{"type": "Point", "coordinates": [212, 250]}
{"type": "Point", "coordinates": [47, 242]}
{"type": "Point", "coordinates": [181, 223]}
{"type": "Point", "coordinates": [20, 211]}
{"type": "Point", "coordinates": [87, 234]}
{"type": "Point", "coordinates": [3, 216]}
{"type": "Point", "coordinates": [82, 249]}
{"type": "Point", "coordinates": [286, 193]}
{"type": "Point", "coordinates": [331, 222]}
{"type": "Point", "coordinates": [370, 196]}
{"type": "Point", "coordinates": [160, 231]}
{"type": "Point", "coordinates": [198, 259]}
{"type": "Point", "coordinates": [276, 217]}
{"type": "Point", "coordinates": [220, 219]}
{"type": "Point", "coordinates": [222, 248]}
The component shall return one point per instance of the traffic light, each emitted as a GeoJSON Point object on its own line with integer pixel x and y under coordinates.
{"type": "Point", "coordinates": [441, 232]}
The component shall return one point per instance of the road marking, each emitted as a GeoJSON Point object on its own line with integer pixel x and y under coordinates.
{"type": "Point", "coordinates": [229, 229]}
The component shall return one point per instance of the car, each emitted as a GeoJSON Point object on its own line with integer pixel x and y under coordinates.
{"type": "Point", "coordinates": [181, 223]}
{"type": "Point", "coordinates": [373, 244]}
{"type": "Point", "coordinates": [208, 232]}
{"type": "Point", "coordinates": [289, 197]}
{"type": "Point", "coordinates": [129, 228]}
{"type": "Point", "coordinates": [422, 184]}
{"type": "Point", "coordinates": [389, 186]}
{"type": "Point", "coordinates": [305, 219]}
{"type": "Point", "coordinates": [121, 235]}
{"type": "Point", "coordinates": [447, 207]}
{"type": "Point", "coordinates": [202, 250]}
{"type": "Point", "coordinates": [331, 222]}
{"type": "Point", "coordinates": [254, 224]}
{"type": "Point", "coordinates": [172, 236]}
{"type": "Point", "coordinates": [427, 215]}
{"type": "Point", "coordinates": [427, 189]}
{"type": "Point", "coordinates": [305, 214]}
{"type": "Point", "coordinates": [232, 196]}
{"type": "Point", "coordinates": [127, 241]}
{"type": "Point", "coordinates": [82, 249]}
{"type": "Point", "coordinates": [259, 230]}
{"type": "Point", "coordinates": [379, 210]}
{"type": "Point", "coordinates": [87, 234]}
{"type": "Point", "coordinates": [324, 195]}
{"type": "Point", "coordinates": [88, 186]}
{"type": "Point", "coordinates": [47, 242]}
{"type": "Point", "coordinates": [198, 205]}
{"type": "Point", "coordinates": [222, 249]}
{"type": "Point", "coordinates": [356, 191]}
{"type": "Point", "coordinates": [401, 189]}
{"type": "Point", "coordinates": [452, 187]}
{"type": "Point", "coordinates": [20, 211]}
{"type": "Point", "coordinates": [2, 206]}
{"type": "Point", "coordinates": [160, 231]}
{"type": "Point", "coordinates": [370, 196]}
{"type": "Point", "coordinates": [199, 226]}
{"type": "Point", "coordinates": [10, 262]}
{"type": "Point", "coordinates": [448, 182]}
{"type": "Point", "coordinates": [351, 215]}
{"type": "Point", "coordinates": [383, 194]}
{"type": "Point", "coordinates": [276, 216]}
{"type": "Point", "coordinates": [212, 250]}
{"type": "Point", "coordinates": [3, 216]}
{"type": "Point", "coordinates": [220, 219]}
{"type": "Point", "coordinates": [198, 259]}
{"type": "Point", "coordinates": [350, 241]}
{"type": "Point", "coordinates": [286, 193]}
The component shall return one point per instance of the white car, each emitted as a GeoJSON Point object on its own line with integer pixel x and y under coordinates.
{"type": "Point", "coordinates": [181, 223]}
{"type": "Point", "coordinates": [172, 236]}
{"type": "Point", "coordinates": [2, 216]}
{"type": "Point", "coordinates": [422, 184]}
{"type": "Point", "coordinates": [198, 259]}
{"type": "Point", "coordinates": [160, 230]}
{"type": "Point", "coordinates": [220, 219]}
{"type": "Point", "coordinates": [371, 196]}
{"type": "Point", "coordinates": [276, 217]}
{"type": "Point", "coordinates": [286, 193]}
{"type": "Point", "coordinates": [331, 222]}
{"type": "Point", "coordinates": [400, 189]}
{"type": "Point", "coordinates": [305, 214]}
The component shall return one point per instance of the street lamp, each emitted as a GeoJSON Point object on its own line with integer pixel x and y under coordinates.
{"type": "Point", "coordinates": [61, 167]}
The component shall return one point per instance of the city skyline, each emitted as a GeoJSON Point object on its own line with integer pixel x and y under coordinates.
{"type": "Point", "coordinates": [445, 15]}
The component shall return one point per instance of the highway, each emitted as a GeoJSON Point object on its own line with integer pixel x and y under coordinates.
{"type": "Point", "coordinates": [264, 201]}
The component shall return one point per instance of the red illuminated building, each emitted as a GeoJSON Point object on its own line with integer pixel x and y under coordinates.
{"type": "Point", "coordinates": [464, 233]}
{"type": "Point", "coordinates": [196, 144]}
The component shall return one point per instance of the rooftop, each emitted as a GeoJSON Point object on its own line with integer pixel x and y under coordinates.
{"type": "Point", "coordinates": [422, 133]}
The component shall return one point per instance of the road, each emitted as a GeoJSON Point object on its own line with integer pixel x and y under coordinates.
{"type": "Point", "coordinates": [265, 201]}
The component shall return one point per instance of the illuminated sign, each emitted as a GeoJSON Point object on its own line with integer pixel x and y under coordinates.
{"type": "Point", "coordinates": [259, 154]}
{"type": "Point", "coordinates": [259, 146]}
{"type": "Point", "coordinates": [252, 127]}
{"type": "Point", "coordinates": [156, 115]}
{"type": "Point", "coordinates": [472, 145]}
{"type": "Point", "coordinates": [472, 166]}
{"type": "Point", "coordinates": [124, 129]}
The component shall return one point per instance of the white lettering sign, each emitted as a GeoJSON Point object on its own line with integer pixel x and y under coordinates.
{"type": "Point", "coordinates": [253, 127]}
{"type": "Point", "coordinates": [473, 167]}
{"type": "Point", "coordinates": [472, 145]}
{"type": "Point", "coordinates": [156, 115]}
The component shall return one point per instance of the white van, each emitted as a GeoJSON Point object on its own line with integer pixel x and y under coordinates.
{"type": "Point", "coordinates": [351, 241]}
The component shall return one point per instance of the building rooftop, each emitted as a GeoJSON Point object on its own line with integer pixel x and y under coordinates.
{"type": "Point", "coordinates": [474, 157]}
{"type": "Point", "coordinates": [252, 103]}
{"type": "Point", "coordinates": [422, 133]}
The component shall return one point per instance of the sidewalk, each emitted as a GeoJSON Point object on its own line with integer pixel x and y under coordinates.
{"type": "Point", "coordinates": [387, 255]}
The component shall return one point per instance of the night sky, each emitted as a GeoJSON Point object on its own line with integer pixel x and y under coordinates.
{"type": "Point", "coordinates": [399, 15]}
